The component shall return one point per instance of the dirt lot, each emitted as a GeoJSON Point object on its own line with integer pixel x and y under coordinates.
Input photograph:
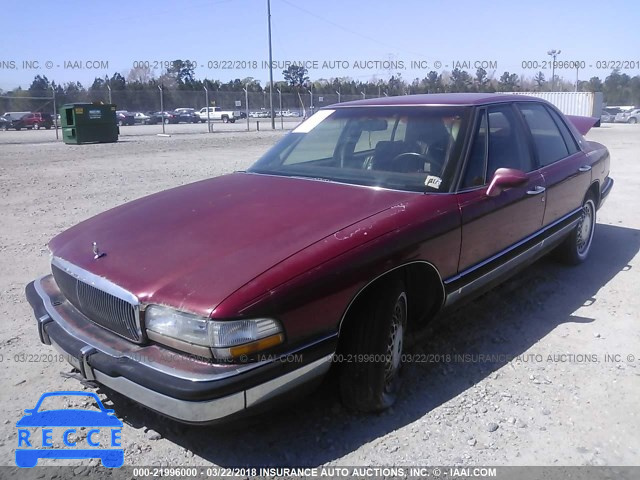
{"type": "Point", "coordinates": [561, 402]}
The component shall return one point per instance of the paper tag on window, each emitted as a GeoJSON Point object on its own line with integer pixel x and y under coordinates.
{"type": "Point", "coordinates": [433, 181]}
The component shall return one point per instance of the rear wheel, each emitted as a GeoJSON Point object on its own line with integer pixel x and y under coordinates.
{"type": "Point", "coordinates": [576, 247]}
{"type": "Point", "coordinates": [225, 119]}
{"type": "Point", "coordinates": [632, 120]}
{"type": "Point", "coordinates": [36, 126]}
{"type": "Point", "coordinates": [371, 361]}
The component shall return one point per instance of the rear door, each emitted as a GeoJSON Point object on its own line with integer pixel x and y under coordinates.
{"type": "Point", "coordinates": [490, 225]}
{"type": "Point", "coordinates": [565, 168]}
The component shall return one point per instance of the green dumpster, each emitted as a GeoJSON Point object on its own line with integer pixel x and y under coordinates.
{"type": "Point", "coordinates": [89, 123]}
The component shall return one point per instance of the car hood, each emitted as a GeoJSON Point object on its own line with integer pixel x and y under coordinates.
{"type": "Point", "coordinates": [192, 246]}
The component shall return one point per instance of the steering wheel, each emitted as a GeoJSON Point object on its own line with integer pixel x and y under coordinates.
{"type": "Point", "coordinates": [406, 159]}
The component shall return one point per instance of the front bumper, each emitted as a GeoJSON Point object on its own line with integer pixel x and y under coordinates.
{"type": "Point", "coordinates": [181, 387]}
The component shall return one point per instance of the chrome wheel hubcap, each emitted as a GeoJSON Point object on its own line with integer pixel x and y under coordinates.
{"type": "Point", "coordinates": [585, 228]}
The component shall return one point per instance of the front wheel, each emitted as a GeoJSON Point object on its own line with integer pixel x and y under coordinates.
{"type": "Point", "coordinates": [225, 119]}
{"type": "Point", "coordinates": [632, 120]}
{"type": "Point", "coordinates": [576, 247]}
{"type": "Point", "coordinates": [371, 360]}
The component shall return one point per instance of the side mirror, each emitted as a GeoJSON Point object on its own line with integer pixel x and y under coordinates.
{"type": "Point", "coordinates": [505, 178]}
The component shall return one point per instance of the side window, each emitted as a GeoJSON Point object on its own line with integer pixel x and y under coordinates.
{"type": "Point", "coordinates": [547, 138]}
{"type": "Point", "coordinates": [508, 147]}
{"type": "Point", "coordinates": [569, 141]}
{"type": "Point", "coordinates": [477, 165]}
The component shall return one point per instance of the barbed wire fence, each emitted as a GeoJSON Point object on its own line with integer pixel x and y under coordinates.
{"type": "Point", "coordinates": [289, 108]}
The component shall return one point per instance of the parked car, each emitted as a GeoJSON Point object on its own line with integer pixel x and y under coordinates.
{"type": "Point", "coordinates": [186, 115]}
{"type": "Point", "coordinates": [217, 298]}
{"type": "Point", "coordinates": [5, 123]}
{"type": "Point", "coordinates": [34, 121]}
{"type": "Point", "coordinates": [141, 118]}
{"type": "Point", "coordinates": [11, 117]}
{"type": "Point", "coordinates": [217, 113]}
{"type": "Point", "coordinates": [125, 118]}
{"type": "Point", "coordinates": [607, 117]}
{"type": "Point", "coordinates": [632, 116]}
{"type": "Point", "coordinates": [154, 118]}
{"type": "Point", "coordinates": [166, 117]}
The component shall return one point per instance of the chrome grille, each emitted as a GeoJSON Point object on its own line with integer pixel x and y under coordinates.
{"type": "Point", "coordinates": [102, 308]}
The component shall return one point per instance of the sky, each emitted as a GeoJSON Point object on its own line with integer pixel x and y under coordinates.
{"type": "Point", "coordinates": [78, 40]}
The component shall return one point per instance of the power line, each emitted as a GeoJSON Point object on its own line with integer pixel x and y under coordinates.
{"type": "Point", "coordinates": [346, 29]}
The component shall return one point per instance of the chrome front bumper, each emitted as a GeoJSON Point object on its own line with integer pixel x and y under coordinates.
{"type": "Point", "coordinates": [188, 383]}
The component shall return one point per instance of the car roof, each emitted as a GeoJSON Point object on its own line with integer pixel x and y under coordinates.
{"type": "Point", "coordinates": [466, 99]}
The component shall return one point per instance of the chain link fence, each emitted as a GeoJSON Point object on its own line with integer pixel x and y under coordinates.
{"type": "Point", "coordinates": [290, 107]}
{"type": "Point", "coordinates": [149, 100]}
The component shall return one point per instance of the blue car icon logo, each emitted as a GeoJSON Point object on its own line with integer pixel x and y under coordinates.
{"type": "Point", "coordinates": [103, 434]}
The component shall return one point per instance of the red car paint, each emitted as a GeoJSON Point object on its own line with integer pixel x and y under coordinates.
{"type": "Point", "coordinates": [248, 244]}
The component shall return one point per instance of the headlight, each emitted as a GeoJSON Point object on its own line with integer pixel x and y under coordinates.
{"type": "Point", "coordinates": [227, 339]}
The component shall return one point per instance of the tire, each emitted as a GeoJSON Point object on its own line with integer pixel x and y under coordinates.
{"type": "Point", "coordinates": [36, 126]}
{"type": "Point", "coordinates": [225, 119]}
{"type": "Point", "coordinates": [232, 120]}
{"type": "Point", "coordinates": [376, 331]}
{"type": "Point", "coordinates": [575, 249]}
{"type": "Point", "coordinates": [632, 120]}
{"type": "Point", "coordinates": [166, 121]}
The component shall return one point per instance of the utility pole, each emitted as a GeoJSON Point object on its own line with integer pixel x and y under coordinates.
{"type": "Point", "coordinates": [273, 120]}
{"type": "Point", "coordinates": [553, 53]}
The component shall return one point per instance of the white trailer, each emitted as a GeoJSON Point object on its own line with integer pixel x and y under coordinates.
{"type": "Point", "coordinates": [583, 104]}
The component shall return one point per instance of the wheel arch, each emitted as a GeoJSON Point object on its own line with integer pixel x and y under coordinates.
{"type": "Point", "coordinates": [594, 189]}
{"type": "Point", "coordinates": [424, 288]}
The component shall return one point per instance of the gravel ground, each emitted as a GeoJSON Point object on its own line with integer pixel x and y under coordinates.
{"type": "Point", "coordinates": [561, 401]}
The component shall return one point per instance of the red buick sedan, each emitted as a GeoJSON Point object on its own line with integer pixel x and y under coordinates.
{"type": "Point", "coordinates": [214, 299]}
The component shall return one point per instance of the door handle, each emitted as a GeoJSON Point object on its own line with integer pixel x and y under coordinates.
{"type": "Point", "coordinates": [536, 191]}
{"type": "Point", "coordinates": [584, 168]}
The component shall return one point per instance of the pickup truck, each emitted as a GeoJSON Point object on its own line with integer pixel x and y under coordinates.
{"type": "Point", "coordinates": [216, 113]}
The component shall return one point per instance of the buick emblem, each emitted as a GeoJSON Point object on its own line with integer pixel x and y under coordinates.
{"type": "Point", "coordinates": [96, 251]}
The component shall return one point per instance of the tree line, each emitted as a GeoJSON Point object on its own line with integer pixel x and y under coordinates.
{"type": "Point", "coordinates": [140, 86]}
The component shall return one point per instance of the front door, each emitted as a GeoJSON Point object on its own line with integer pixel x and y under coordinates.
{"type": "Point", "coordinates": [490, 225]}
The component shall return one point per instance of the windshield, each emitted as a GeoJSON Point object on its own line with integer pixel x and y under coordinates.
{"type": "Point", "coordinates": [403, 148]}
